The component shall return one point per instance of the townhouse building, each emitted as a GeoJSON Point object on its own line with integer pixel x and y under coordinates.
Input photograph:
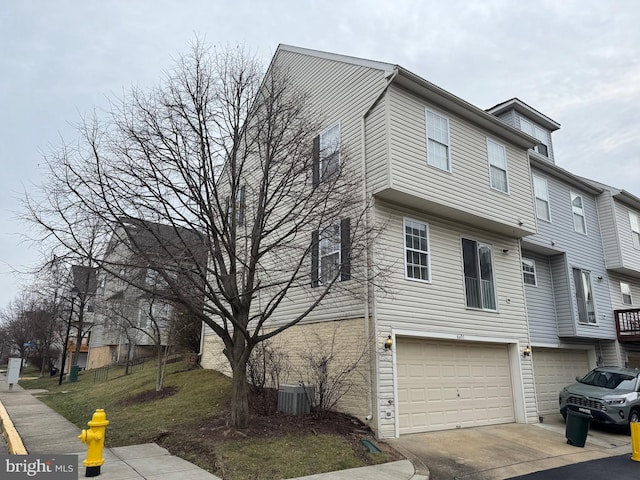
{"type": "Point", "coordinates": [451, 185]}
{"type": "Point", "coordinates": [137, 310]}
{"type": "Point", "coordinates": [619, 213]}
{"type": "Point", "coordinates": [565, 275]}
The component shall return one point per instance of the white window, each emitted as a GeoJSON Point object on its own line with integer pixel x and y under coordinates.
{"type": "Point", "coordinates": [529, 128]}
{"type": "Point", "coordinates": [541, 191]}
{"type": "Point", "coordinates": [529, 272]}
{"type": "Point", "coordinates": [438, 147]}
{"type": "Point", "coordinates": [497, 166]}
{"type": "Point", "coordinates": [625, 290]}
{"type": "Point", "coordinates": [330, 151]}
{"type": "Point", "coordinates": [329, 256]}
{"type": "Point", "coordinates": [416, 247]}
{"type": "Point", "coordinates": [479, 285]}
{"type": "Point", "coordinates": [577, 206]}
{"type": "Point", "coordinates": [635, 229]}
{"type": "Point", "coordinates": [584, 296]}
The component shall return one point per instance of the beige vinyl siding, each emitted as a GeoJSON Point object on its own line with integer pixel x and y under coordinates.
{"type": "Point", "coordinates": [609, 229]}
{"type": "Point", "coordinates": [630, 255]}
{"type": "Point", "coordinates": [336, 100]}
{"type": "Point", "coordinates": [439, 307]}
{"type": "Point", "coordinates": [377, 147]}
{"type": "Point", "coordinates": [467, 186]}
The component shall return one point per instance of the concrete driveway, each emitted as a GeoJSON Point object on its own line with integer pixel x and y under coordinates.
{"type": "Point", "coordinates": [504, 451]}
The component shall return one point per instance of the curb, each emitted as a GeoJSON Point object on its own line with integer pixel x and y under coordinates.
{"type": "Point", "coordinates": [14, 441]}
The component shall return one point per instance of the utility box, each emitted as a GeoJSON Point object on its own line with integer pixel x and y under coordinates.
{"type": "Point", "coordinates": [295, 399]}
{"type": "Point", "coordinates": [73, 373]}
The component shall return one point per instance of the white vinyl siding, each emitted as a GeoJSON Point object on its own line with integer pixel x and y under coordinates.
{"type": "Point", "coordinates": [497, 166]}
{"type": "Point", "coordinates": [478, 275]}
{"type": "Point", "coordinates": [416, 245]}
{"type": "Point", "coordinates": [635, 229]}
{"type": "Point", "coordinates": [541, 191]}
{"type": "Point", "coordinates": [625, 291]}
{"type": "Point", "coordinates": [330, 151]}
{"type": "Point", "coordinates": [577, 207]}
{"type": "Point", "coordinates": [529, 272]}
{"type": "Point", "coordinates": [438, 143]}
{"type": "Point", "coordinates": [584, 296]}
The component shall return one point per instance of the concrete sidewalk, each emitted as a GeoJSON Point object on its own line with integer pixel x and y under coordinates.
{"type": "Point", "coordinates": [43, 431]}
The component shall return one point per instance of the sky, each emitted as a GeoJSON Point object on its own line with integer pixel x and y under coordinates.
{"type": "Point", "coordinates": [577, 62]}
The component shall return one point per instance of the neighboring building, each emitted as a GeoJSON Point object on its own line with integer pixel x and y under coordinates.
{"type": "Point", "coordinates": [619, 213]}
{"type": "Point", "coordinates": [84, 279]}
{"type": "Point", "coordinates": [451, 183]}
{"type": "Point", "coordinates": [138, 309]}
{"type": "Point", "coordinates": [563, 267]}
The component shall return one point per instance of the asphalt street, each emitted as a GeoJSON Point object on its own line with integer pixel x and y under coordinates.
{"type": "Point", "coordinates": [611, 468]}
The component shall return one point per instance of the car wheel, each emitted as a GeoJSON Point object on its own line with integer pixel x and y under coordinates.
{"type": "Point", "coordinates": [634, 416]}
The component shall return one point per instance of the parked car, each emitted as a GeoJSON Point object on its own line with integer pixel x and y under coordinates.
{"type": "Point", "coordinates": [610, 394]}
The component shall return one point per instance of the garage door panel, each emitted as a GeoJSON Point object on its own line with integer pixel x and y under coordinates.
{"type": "Point", "coordinates": [463, 384]}
{"type": "Point", "coordinates": [554, 368]}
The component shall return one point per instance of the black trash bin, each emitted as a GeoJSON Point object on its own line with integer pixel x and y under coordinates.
{"type": "Point", "coordinates": [54, 371]}
{"type": "Point", "coordinates": [577, 428]}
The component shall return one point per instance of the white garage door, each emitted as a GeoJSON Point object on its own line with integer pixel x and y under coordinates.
{"type": "Point", "coordinates": [443, 385]}
{"type": "Point", "coordinates": [554, 368]}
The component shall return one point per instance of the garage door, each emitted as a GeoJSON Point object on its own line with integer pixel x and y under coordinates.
{"type": "Point", "coordinates": [554, 368]}
{"type": "Point", "coordinates": [443, 385]}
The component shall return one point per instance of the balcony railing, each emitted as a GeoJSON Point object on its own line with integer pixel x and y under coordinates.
{"type": "Point", "coordinates": [628, 325]}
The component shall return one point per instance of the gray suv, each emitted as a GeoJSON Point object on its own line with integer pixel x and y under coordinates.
{"type": "Point", "coordinates": [610, 394]}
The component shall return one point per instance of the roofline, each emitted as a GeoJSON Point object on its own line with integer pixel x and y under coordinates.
{"type": "Point", "coordinates": [562, 174]}
{"type": "Point", "coordinates": [386, 67]}
{"type": "Point", "coordinates": [530, 112]}
{"type": "Point", "coordinates": [622, 195]}
{"type": "Point", "coordinates": [463, 108]}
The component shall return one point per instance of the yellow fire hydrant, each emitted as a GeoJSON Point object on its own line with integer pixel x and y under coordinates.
{"type": "Point", "coordinates": [94, 438]}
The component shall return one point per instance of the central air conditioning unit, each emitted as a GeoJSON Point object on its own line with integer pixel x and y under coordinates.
{"type": "Point", "coordinates": [295, 399]}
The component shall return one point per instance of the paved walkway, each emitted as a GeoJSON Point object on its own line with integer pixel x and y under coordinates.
{"type": "Point", "coordinates": [43, 431]}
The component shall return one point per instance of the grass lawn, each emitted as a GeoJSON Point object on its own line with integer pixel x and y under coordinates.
{"type": "Point", "coordinates": [190, 418]}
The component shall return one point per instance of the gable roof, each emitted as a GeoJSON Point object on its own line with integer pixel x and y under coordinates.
{"type": "Point", "coordinates": [526, 110]}
{"type": "Point", "coordinates": [425, 89]}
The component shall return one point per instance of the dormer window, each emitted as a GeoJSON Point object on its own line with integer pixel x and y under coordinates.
{"type": "Point", "coordinates": [530, 129]}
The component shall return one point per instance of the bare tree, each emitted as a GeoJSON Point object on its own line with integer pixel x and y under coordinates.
{"type": "Point", "coordinates": [222, 151]}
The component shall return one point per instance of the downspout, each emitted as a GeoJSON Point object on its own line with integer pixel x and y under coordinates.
{"type": "Point", "coordinates": [369, 331]}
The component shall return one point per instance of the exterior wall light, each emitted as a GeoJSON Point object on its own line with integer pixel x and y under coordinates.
{"type": "Point", "coordinates": [388, 343]}
{"type": "Point", "coordinates": [527, 351]}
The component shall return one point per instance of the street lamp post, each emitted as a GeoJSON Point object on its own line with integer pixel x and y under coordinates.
{"type": "Point", "coordinates": [73, 293]}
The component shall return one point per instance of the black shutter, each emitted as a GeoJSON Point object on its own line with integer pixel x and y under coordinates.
{"type": "Point", "coordinates": [316, 161]}
{"type": "Point", "coordinates": [345, 249]}
{"type": "Point", "coordinates": [315, 244]}
{"type": "Point", "coordinates": [240, 206]}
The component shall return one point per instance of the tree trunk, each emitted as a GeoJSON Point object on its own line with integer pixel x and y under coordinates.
{"type": "Point", "coordinates": [240, 395]}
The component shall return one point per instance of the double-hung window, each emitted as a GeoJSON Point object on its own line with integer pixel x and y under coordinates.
{"type": "Point", "coordinates": [479, 284]}
{"type": "Point", "coordinates": [541, 191]}
{"type": "Point", "coordinates": [438, 146]}
{"type": "Point", "coordinates": [625, 290]}
{"type": "Point", "coordinates": [577, 206]}
{"type": "Point", "coordinates": [584, 296]}
{"type": "Point", "coordinates": [529, 128]}
{"type": "Point", "coordinates": [326, 154]}
{"type": "Point", "coordinates": [330, 253]}
{"type": "Point", "coordinates": [529, 272]}
{"type": "Point", "coordinates": [497, 166]}
{"type": "Point", "coordinates": [635, 229]}
{"type": "Point", "coordinates": [416, 247]}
